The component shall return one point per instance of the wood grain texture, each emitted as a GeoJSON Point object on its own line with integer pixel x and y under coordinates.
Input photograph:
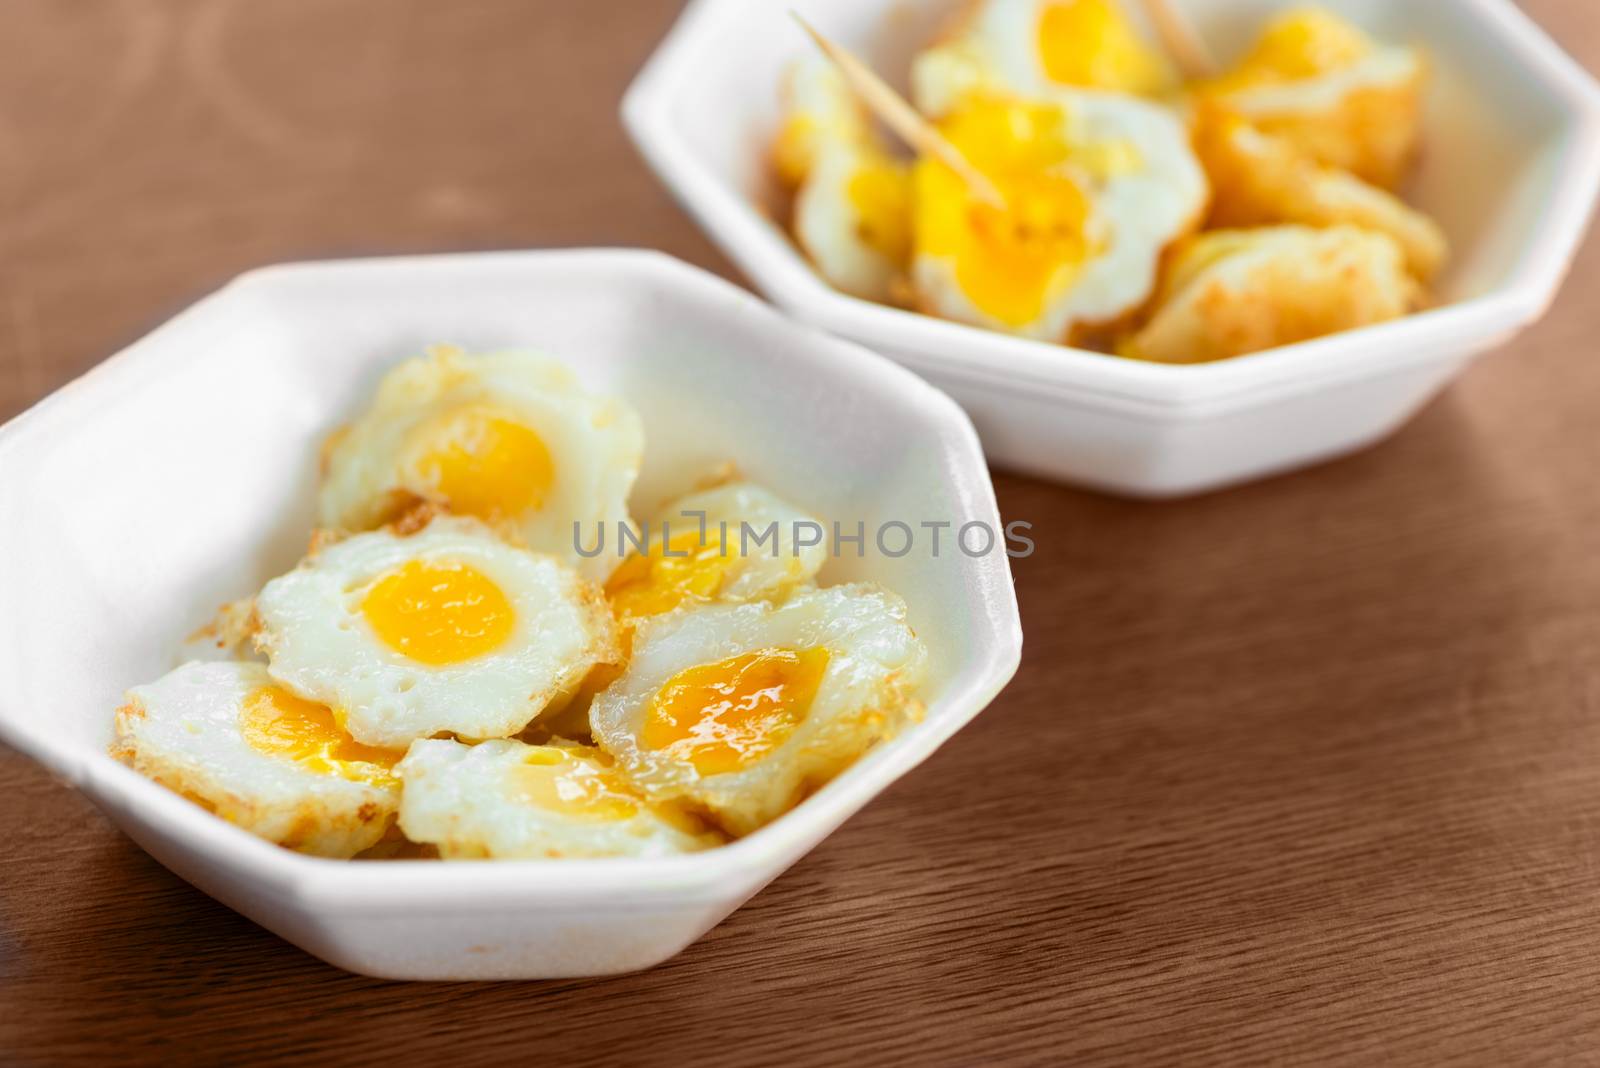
{"type": "Point", "coordinates": [1304, 772]}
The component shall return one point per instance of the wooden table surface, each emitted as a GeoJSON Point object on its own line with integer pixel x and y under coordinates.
{"type": "Point", "coordinates": [1307, 771]}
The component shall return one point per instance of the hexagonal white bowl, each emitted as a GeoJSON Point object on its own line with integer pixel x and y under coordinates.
{"type": "Point", "coordinates": [179, 474]}
{"type": "Point", "coordinates": [1511, 169]}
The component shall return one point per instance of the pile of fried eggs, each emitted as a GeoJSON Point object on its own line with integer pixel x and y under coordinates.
{"type": "Point", "coordinates": [1140, 216]}
{"type": "Point", "coordinates": [449, 672]}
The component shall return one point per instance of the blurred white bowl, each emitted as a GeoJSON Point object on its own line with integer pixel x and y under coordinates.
{"type": "Point", "coordinates": [1512, 162]}
{"type": "Point", "coordinates": [179, 474]}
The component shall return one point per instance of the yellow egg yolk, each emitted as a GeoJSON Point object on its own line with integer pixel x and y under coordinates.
{"type": "Point", "coordinates": [438, 613]}
{"type": "Point", "coordinates": [683, 569]}
{"type": "Point", "coordinates": [724, 716]}
{"type": "Point", "coordinates": [795, 149]}
{"type": "Point", "coordinates": [1300, 44]}
{"type": "Point", "coordinates": [278, 723]}
{"type": "Point", "coordinates": [481, 463]}
{"type": "Point", "coordinates": [1090, 43]}
{"type": "Point", "coordinates": [880, 194]}
{"type": "Point", "coordinates": [553, 779]}
{"type": "Point", "coordinates": [1012, 261]}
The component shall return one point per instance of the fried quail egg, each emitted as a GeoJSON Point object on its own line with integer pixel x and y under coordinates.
{"type": "Point", "coordinates": [1096, 187]}
{"type": "Point", "coordinates": [503, 798]}
{"type": "Point", "coordinates": [1340, 97]}
{"type": "Point", "coordinates": [818, 110]}
{"type": "Point", "coordinates": [739, 710]}
{"type": "Point", "coordinates": [1232, 292]}
{"type": "Point", "coordinates": [852, 205]}
{"type": "Point", "coordinates": [1260, 178]}
{"type": "Point", "coordinates": [1034, 49]}
{"type": "Point", "coordinates": [226, 736]}
{"type": "Point", "coordinates": [732, 543]}
{"type": "Point", "coordinates": [852, 217]}
{"type": "Point", "coordinates": [735, 542]}
{"type": "Point", "coordinates": [508, 438]}
{"type": "Point", "coordinates": [445, 630]}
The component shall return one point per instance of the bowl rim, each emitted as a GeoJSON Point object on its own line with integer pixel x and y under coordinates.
{"type": "Point", "coordinates": [713, 875]}
{"type": "Point", "coordinates": [1029, 367]}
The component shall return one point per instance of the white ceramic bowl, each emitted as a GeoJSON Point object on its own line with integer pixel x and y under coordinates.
{"type": "Point", "coordinates": [179, 474]}
{"type": "Point", "coordinates": [1511, 169]}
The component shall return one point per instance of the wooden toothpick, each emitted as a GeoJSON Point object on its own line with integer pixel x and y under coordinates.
{"type": "Point", "coordinates": [1180, 40]}
{"type": "Point", "coordinates": [902, 118]}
